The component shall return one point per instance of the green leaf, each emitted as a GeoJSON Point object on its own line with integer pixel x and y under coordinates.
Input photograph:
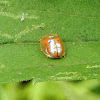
{"type": "Point", "coordinates": [78, 25]}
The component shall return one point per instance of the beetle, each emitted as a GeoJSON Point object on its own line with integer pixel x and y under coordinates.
{"type": "Point", "coordinates": [52, 45]}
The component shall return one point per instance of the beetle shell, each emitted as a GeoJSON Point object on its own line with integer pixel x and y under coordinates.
{"type": "Point", "coordinates": [52, 46]}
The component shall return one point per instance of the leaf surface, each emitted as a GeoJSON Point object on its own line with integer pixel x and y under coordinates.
{"type": "Point", "coordinates": [78, 25]}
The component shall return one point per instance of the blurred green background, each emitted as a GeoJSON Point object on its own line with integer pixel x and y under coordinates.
{"type": "Point", "coordinates": [62, 90]}
{"type": "Point", "coordinates": [78, 25]}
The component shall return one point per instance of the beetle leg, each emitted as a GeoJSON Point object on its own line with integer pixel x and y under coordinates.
{"type": "Point", "coordinates": [64, 55]}
{"type": "Point", "coordinates": [47, 56]}
{"type": "Point", "coordinates": [41, 49]}
{"type": "Point", "coordinates": [40, 39]}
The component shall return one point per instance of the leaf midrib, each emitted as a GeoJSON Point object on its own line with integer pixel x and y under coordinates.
{"type": "Point", "coordinates": [18, 43]}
